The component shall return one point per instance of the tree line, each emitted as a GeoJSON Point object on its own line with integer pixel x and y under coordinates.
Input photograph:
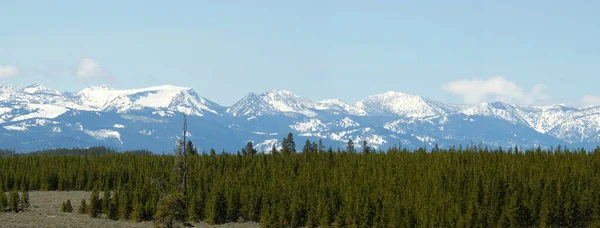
{"type": "Point", "coordinates": [463, 187]}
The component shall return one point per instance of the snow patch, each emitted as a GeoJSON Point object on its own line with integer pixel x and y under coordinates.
{"type": "Point", "coordinates": [15, 128]}
{"type": "Point", "coordinates": [103, 134]}
{"type": "Point", "coordinates": [42, 111]}
{"type": "Point", "coordinates": [308, 126]}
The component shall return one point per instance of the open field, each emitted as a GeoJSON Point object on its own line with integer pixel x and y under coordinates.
{"type": "Point", "coordinates": [45, 212]}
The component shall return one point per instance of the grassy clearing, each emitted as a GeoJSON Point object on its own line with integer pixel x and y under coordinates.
{"type": "Point", "coordinates": [45, 212]}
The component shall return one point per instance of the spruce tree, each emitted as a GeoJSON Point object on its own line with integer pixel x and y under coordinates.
{"type": "Point", "coordinates": [113, 208]}
{"type": "Point", "coordinates": [216, 208]}
{"type": "Point", "coordinates": [13, 201]}
{"type": "Point", "coordinates": [365, 147]}
{"type": "Point", "coordinates": [249, 149]}
{"type": "Point", "coordinates": [67, 207]}
{"type": "Point", "coordinates": [350, 146]}
{"type": "Point", "coordinates": [105, 201]}
{"type": "Point", "coordinates": [274, 150]}
{"type": "Point", "coordinates": [95, 204]}
{"type": "Point", "coordinates": [288, 144]}
{"type": "Point", "coordinates": [171, 209]}
{"type": "Point", "coordinates": [3, 201]}
{"type": "Point", "coordinates": [124, 203]}
{"type": "Point", "coordinates": [190, 149]}
{"type": "Point", "coordinates": [137, 214]}
{"type": "Point", "coordinates": [307, 148]}
{"type": "Point", "coordinates": [82, 207]}
{"type": "Point", "coordinates": [25, 199]}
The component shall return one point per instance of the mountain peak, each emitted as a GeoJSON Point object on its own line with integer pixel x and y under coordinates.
{"type": "Point", "coordinates": [37, 88]}
{"type": "Point", "coordinates": [402, 104]}
{"type": "Point", "coordinates": [280, 93]}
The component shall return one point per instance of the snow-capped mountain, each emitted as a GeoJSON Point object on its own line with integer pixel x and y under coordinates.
{"type": "Point", "coordinates": [404, 105]}
{"type": "Point", "coordinates": [37, 117]}
{"type": "Point", "coordinates": [164, 98]}
{"type": "Point", "coordinates": [282, 102]}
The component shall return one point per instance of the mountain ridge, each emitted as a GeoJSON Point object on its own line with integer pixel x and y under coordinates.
{"type": "Point", "coordinates": [384, 119]}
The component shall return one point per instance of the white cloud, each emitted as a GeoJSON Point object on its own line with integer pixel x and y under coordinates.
{"type": "Point", "coordinates": [496, 88]}
{"type": "Point", "coordinates": [590, 100]}
{"type": "Point", "coordinates": [90, 69]}
{"type": "Point", "coordinates": [8, 71]}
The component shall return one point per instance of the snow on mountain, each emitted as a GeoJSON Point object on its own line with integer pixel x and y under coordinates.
{"type": "Point", "coordinates": [310, 125]}
{"type": "Point", "coordinates": [40, 111]}
{"type": "Point", "coordinates": [36, 116]}
{"type": "Point", "coordinates": [498, 109]}
{"type": "Point", "coordinates": [173, 98]}
{"type": "Point", "coordinates": [104, 134]}
{"type": "Point", "coordinates": [348, 123]}
{"type": "Point", "coordinates": [401, 104]}
{"type": "Point", "coordinates": [338, 107]}
{"type": "Point", "coordinates": [251, 105]}
{"type": "Point", "coordinates": [39, 89]}
{"type": "Point", "coordinates": [287, 103]}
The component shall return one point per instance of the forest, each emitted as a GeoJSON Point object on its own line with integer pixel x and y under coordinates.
{"type": "Point", "coordinates": [471, 186]}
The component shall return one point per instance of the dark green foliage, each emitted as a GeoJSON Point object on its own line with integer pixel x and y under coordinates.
{"type": "Point", "coordinates": [190, 149]}
{"type": "Point", "coordinates": [113, 207]}
{"type": "Point", "coordinates": [82, 207]}
{"type": "Point", "coordinates": [24, 199]}
{"type": "Point", "coordinates": [170, 209]}
{"type": "Point", "coordinates": [288, 145]}
{"type": "Point", "coordinates": [67, 207]}
{"type": "Point", "coordinates": [137, 214]}
{"type": "Point", "coordinates": [249, 149]}
{"type": "Point", "coordinates": [13, 201]}
{"type": "Point", "coordinates": [366, 148]}
{"type": "Point", "coordinates": [3, 201]}
{"type": "Point", "coordinates": [216, 207]}
{"type": "Point", "coordinates": [124, 202]}
{"type": "Point", "coordinates": [472, 187]}
{"type": "Point", "coordinates": [105, 201]}
{"type": "Point", "coordinates": [95, 208]}
{"type": "Point", "coordinates": [350, 146]}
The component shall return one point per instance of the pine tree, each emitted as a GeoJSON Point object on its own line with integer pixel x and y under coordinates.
{"type": "Point", "coordinates": [366, 148]}
{"type": "Point", "coordinates": [105, 201]}
{"type": "Point", "coordinates": [137, 214]}
{"type": "Point", "coordinates": [67, 207]}
{"type": "Point", "coordinates": [307, 148]}
{"type": "Point", "coordinates": [274, 150]}
{"type": "Point", "coordinates": [288, 144]}
{"type": "Point", "coordinates": [82, 207]}
{"type": "Point", "coordinates": [249, 149]}
{"type": "Point", "coordinates": [170, 209]}
{"type": "Point", "coordinates": [95, 204]}
{"type": "Point", "coordinates": [3, 201]}
{"type": "Point", "coordinates": [321, 147]}
{"type": "Point", "coordinates": [124, 203]}
{"type": "Point", "coordinates": [13, 201]}
{"type": "Point", "coordinates": [190, 149]}
{"type": "Point", "coordinates": [24, 199]}
{"type": "Point", "coordinates": [113, 208]}
{"type": "Point", "coordinates": [350, 146]}
{"type": "Point", "coordinates": [216, 208]}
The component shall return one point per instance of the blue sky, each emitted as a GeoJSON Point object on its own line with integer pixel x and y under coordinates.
{"type": "Point", "coordinates": [526, 52]}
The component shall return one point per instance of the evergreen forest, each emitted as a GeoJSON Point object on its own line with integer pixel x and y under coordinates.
{"type": "Point", "coordinates": [350, 187]}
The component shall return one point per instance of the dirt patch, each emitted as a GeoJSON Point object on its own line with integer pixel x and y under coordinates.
{"type": "Point", "coordinates": [45, 212]}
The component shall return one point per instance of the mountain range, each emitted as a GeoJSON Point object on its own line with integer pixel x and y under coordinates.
{"type": "Point", "coordinates": [36, 117]}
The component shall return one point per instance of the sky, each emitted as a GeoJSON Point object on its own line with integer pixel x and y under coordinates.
{"type": "Point", "coordinates": [523, 52]}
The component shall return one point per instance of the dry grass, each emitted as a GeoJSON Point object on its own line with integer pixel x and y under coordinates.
{"type": "Point", "coordinates": [45, 212]}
